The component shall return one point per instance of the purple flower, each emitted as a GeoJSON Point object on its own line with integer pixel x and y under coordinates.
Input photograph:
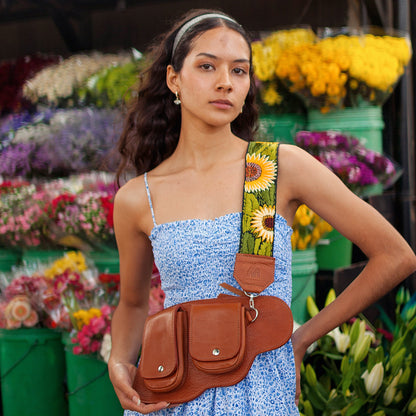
{"type": "Point", "coordinates": [352, 162]}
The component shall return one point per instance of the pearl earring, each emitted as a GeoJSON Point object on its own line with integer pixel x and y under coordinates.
{"type": "Point", "coordinates": [177, 100]}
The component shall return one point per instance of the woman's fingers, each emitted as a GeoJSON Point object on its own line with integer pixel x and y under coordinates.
{"type": "Point", "coordinates": [122, 376]}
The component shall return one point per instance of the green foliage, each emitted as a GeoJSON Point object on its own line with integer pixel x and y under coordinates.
{"type": "Point", "coordinates": [375, 375]}
{"type": "Point", "coordinates": [111, 86]}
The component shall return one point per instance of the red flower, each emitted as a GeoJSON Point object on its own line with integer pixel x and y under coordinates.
{"type": "Point", "coordinates": [108, 205]}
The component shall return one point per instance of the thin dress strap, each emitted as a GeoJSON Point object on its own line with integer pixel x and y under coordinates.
{"type": "Point", "coordinates": [149, 198]}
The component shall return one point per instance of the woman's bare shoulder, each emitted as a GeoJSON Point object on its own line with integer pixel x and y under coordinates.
{"type": "Point", "coordinates": [131, 200]}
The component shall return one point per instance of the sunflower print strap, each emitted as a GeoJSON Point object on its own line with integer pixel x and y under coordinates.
{"type": "Point", "coordinates": [259, 200]}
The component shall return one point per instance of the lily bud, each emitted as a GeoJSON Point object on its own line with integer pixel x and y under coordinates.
{"type": "Point", "coordinates": [330, 297]}
{"type": "Point", "coordinates": [391, 389]}
{"type": "Point", "coordinates": [310, 375]}
{"type": "Point", "coordinates": [355, 331]}
{"type": "Point", "coordinates": [307, 408]}
{"type": "Point", "coordinates": [400, 296]}
{"type": "Point", "coordinates": [311, 306]}
{"type": "Point", "coordinates": [362, 347]}
{"type": "Point", "coordinates": [374, 379]}
{"type": "Point", "coordinates": [379, 413]}
{"type": "Point", "coordinates": [412, 407]}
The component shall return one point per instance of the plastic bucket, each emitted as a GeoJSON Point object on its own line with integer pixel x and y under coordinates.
{"type": "Point", "coordinates": [105, 261]}
{"type": "Point", "coordinates": [304, 268]}
{"type": "Point", "coordinates": [90, 391]}
{"type": "Point", "coordinates": [33, 255]}
{"type": "Point", "coordinates": [334, 252]}
{"type": "Point", "coordinates": [366, 123]}
{"type": "Point", "coordinates": [32, 365]}
{"type": "Point", "coordinates": [8, 259]}
{"type": "Point", "coordinates": [281, 127]}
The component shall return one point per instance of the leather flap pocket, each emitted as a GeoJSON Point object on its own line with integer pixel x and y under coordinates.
{"type": "Point", "coordinates": [162, 357]}
{"type": "Point", "coordinates": [217, 336]}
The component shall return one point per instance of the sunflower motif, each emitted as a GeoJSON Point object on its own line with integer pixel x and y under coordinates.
{"type": "Point", "coordinates": [260, 173]}
{"type": "Point", "coordinates": [262, 222]}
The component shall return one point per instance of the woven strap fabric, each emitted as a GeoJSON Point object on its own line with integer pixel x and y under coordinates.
{"type": "Point", "coordinates": [259, 200]}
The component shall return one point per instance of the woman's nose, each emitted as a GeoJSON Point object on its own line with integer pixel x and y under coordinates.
{"type": "Point", "coordinates": [224, 80]}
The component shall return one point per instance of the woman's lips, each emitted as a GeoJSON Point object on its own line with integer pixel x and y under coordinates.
{"type": "Point", "coordinates": [222, 104]}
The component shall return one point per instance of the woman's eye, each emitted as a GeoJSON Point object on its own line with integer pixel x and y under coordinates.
{"type": "Point", "coordinates": [239, 71]}
{"type": "Point", "coordinates": [206, 67]}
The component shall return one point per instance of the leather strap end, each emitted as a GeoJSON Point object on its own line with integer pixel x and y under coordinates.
{"type": "Point", "coordinates": [254, 272]}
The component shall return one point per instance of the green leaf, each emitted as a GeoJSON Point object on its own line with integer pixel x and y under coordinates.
{"type": "Point", "coordinates": [355, 407]}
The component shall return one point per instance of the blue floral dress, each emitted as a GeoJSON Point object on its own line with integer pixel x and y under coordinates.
{"type": "Point", "coordinates": [193, 257]}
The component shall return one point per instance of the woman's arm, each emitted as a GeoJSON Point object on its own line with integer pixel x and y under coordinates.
{"type": "Point", "coordinates": [391, 259]}
{"type": "Point", "coordinates": [136, 261]}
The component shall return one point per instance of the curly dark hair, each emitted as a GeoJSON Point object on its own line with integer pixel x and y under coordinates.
{"type": "Point", "coordinates": [152, 125]}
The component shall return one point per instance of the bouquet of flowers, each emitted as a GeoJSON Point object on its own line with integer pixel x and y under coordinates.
{"type": "Point", "coordinates": [56, 85]}
{"type": "Point", "coordinates": [13, 75]}
{"type": "Point", "coordinates": [357, 166]}
{"type": "Point", "coordinates": [112, 86]}
{"type": "Point", "coordinates": [344, 70]}
{"type": "Point", "coordinates": [274, 96]}
{"type": "Point", "coordinates": [62, 143]}
{"type": "Point", "coordinates": [74, 212]}
{"type": "Point", "coordinates": [32, 297]}
{"type": "Point", "coordinates": [308, 229]}
{"type": "Point", "coordinates": [359, 369]}
{"type": "Point", "coordinates": [22, 215]}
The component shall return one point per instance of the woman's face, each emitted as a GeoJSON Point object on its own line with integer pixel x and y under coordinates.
{"type": "Point", "coordinates": [215, 77]}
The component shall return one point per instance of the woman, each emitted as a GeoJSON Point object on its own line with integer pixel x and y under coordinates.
{"type": "Point", "coordinates": [188, 130]}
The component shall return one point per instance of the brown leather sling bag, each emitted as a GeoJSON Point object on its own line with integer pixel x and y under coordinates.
{"type": "Point", "coordinates": [196, 345]}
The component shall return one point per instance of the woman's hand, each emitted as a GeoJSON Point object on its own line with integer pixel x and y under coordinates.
{"type": "Point", "coordinates": [122, 376]}
{"type": "Point", "coordinates": [299, 352]}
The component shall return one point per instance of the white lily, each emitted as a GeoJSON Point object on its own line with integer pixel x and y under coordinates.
{"type": "Point", "coordinates": [342, 341]}
{"type": "Point", "coordinates": [373, 379]}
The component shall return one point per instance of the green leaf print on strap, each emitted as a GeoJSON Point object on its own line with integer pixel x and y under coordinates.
{"type": "Point", "coordinates": [259, 200]}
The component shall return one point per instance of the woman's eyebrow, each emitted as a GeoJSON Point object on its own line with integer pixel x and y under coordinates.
{"type": "Point", "coordinates": [209, 55]}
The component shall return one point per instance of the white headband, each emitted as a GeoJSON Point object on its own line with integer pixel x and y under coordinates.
{"type": "Point", "coordinates": [194, 21]}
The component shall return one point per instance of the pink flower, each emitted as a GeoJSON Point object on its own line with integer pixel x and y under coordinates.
{"type": "Point", "coordinates": [77, 350]}
{"type": "Point", "coordinates": [95, 346]}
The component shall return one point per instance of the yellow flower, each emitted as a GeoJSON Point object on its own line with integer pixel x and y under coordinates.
{"type": "Point", "coordinates": [73, 261]}
{"type": "Point", "coordinates": [263, 222]}
{"type": "Point", "coordinates": [260, 173]}
{"type": "Point", "coordinates": [270, 95]}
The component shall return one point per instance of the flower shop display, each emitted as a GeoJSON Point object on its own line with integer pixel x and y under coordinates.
{"type": "Point", "coordinates": [362, 369]}
{"type": "Point", "coordinates": [308, 230]}
{"type": "Point", "coordinates": [13, 74]}
{"type": "Point", "coordinates": [56, 85]}
{"type": "Point", "coordinates": [61, 143]}
{"type": "Point", "coordinates": [112, 86]}
{"type": "Point", "coordinates": [344, 70]}
{"type": "Point", "coordinates": [357, 166]}
{"type": "Point", "coordinates": [282, 113]}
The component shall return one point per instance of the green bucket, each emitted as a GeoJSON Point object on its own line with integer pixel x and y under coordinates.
{"type": "Point", "coordinates": [9, 258]}
{"type": "Point", "coordinates": [90, 391]}
{"type": "Point", "coordinates": [365, 122]}
{"type": "Point", "coordinates": [105, 261]}
{"type": "Point", "coordinates": [32, 366]}
{"type": "Point", "coordinates": [334, 251]}
{"type": "Point", "coordinates": [34, 255]}
{"type": "Point", "coordinates": [304, 268]}
{"type": "Point", "coordinates": [280, 127]}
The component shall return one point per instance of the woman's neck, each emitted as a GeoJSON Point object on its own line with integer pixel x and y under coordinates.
{"type": "Point", "coordinates": [204, 148]}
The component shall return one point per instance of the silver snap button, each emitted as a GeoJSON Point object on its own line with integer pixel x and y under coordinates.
{"type": "Point", "coordinates": [160, 369]}
{"type": "Point", "coordinates": [215, 351]}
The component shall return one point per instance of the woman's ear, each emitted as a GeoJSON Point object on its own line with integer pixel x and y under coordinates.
{"type": "Point", "coordinates": [172, 79]}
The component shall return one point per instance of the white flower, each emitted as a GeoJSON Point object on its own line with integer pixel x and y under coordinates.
{"type": "Point", "coordinates": [374, 379]}
{"type": "Point", "coordinates": [106, 347]}
{"type": "Point", "coordinates": [342, 341]}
